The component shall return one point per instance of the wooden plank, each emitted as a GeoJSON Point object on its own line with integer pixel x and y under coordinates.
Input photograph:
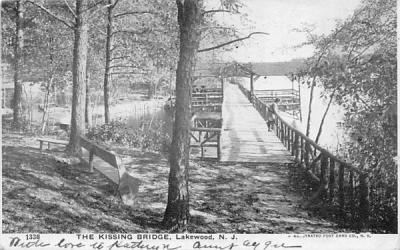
{"type": "Point", "coordinates": [102, 153]}
{"type": "Point", "coordinates": [208, 115]}
{"type": "Point", "coordinates": [103, 167]}
{"type": "Point", "coordinates": [54, 141]}
{"type": "Point", "coordinates": [206, 129]}
{"type": "Point", "coordinates": [207, 105]}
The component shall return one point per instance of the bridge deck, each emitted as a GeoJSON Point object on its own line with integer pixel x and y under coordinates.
{"type": "Point", "coordinates": [245, 136]}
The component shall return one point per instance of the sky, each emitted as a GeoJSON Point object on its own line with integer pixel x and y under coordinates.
{"type": "Point", "coordinates": [280, 18]}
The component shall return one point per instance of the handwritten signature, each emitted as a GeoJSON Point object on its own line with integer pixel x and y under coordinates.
{"type": "Point", "coordinates": [254, 245]}
{"type": "Point", "coordinates": [140, 245]}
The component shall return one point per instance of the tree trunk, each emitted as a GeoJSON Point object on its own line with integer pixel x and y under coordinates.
{"type": "Point", "coordinates": [79, 78]}
{"type": "Point", "coordinates": [177, 212]}
{"type": "Point", "coordinates": [251, 88]}
{"type": "Point", "coordinates": [108, 62]}
{"type": "Point", "coordinates": [88, 117]}
{"type": "Point", "coordinates": [310, 107]}
{"type": "Point", "coordinates": [46, 104]}
{"type": "Point", "coordinates": [323, 117]}
{"type": "Point", "coordinates": [18, 46]}
{"type": "Point", "coordinates": [301, 115]}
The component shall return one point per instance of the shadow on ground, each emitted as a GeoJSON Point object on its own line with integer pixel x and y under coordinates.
{"type": "Point", "coordinates": [42, 194]}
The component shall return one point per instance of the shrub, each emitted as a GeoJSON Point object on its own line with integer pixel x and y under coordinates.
{"type": "Point", "coordinates": [150, 135]}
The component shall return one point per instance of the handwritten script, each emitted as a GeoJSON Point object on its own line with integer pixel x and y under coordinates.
{"type": "Point", "coordinates": [251, 245]}
{"type": "Point", "coordinates": [63, 243]}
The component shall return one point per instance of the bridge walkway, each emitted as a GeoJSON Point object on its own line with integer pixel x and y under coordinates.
{"type": "Point", "coordinates": [245, 136]}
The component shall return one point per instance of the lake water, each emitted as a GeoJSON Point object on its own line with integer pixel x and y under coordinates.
{"type": "Point", "coordinates": [134, 111]}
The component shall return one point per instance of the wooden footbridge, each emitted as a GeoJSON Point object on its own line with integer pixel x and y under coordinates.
{"type": "Point", "coordinates": [235, 132]}
{"type": "Point", "coordinates": [239, 134]}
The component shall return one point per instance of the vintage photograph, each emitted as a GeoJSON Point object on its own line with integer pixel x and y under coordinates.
{"type": "Point", "coordinates": [199, 116]}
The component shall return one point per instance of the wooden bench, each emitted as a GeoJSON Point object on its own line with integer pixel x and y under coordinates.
{"type": "Point", "coordinates": [128, 186]}
{"type": "Point", "coordinates": [50, 141]}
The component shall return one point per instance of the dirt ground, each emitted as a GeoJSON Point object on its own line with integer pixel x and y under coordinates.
{"type": "Point", "coordinates": [45, 193]}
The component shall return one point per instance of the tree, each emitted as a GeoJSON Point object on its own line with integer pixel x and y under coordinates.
{"type": "Point", "coordinates": [39, 53]}
{"type": "Point", "coordinates": [47, 55]}
{"type": "Point", "coordinates": [80, 27]}
{"type": "Point", "coordinates": [358, 69]}
{"type": "Point", "coordinates": [17, 11]}
{"type": "Point", "coordinates": [18, 47]}
{"type": "Point", "coordinates": [177, 212]}
{"type": "Point", "coordinates": [79, 77]}
{"type": "Point", "coordinates": [190, 18]}
{"type": "Point", "coordinates": [110, 8]}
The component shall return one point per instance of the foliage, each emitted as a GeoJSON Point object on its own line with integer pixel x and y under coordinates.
{"type": "Point", "coordinates": [154, 138]}
{"type": "Point", "coordinates": [143, 40]}
{"type": "Point", "coordinates": [357, 62]}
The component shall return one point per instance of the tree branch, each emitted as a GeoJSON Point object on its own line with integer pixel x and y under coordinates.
{"type": "Point", "coordinates": [98, 9]}
{"type": "Point", "coordinates": [94, 5]}
{"type": "Point", "coordinates": [214, 11]}
{"type": "Point", "coordinates": [69, 25]}
{"type": "Point", "coordinates": [70, 9]}
{"type": "Point", "coordinates": [115, 3]}
{"type": "Point", "coordinates": [133, 13]}
{"type": "Point", "coordinates": [233, 41]}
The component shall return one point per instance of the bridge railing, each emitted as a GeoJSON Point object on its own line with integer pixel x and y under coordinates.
{"type": "Point", "coordinates": [274, 93]}
{"type": "Point", "coordinates": [341, 184]}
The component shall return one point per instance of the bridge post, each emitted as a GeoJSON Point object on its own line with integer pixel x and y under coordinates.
{"type": "Point", "coordinates": [222, 87]}
{"type": "Point", "coordinates": [351, 194]}
{"type": "Point", "coordinates": [294, 144]}
{"type": "Point", "coordinates": [331, 179]}
{"type": "Point", "coordinates": [323, 177]}
{"type": "Point", "coordinates": [364, 202]}
{"type": "Point", "coordinates": [286, 137]}
{"type": "Point", "coordinates": [302, 150]}
{"type": "Point", "coordinates": [297, 147]}
{"type": "Point", "coordinates": [341, 190]}
{"type": "Point", "coordinates": [307, 155]}
{"type": "Point", "coordinates": [219, 146]}
{"type": "Point", "coordinates": [282, 131]}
